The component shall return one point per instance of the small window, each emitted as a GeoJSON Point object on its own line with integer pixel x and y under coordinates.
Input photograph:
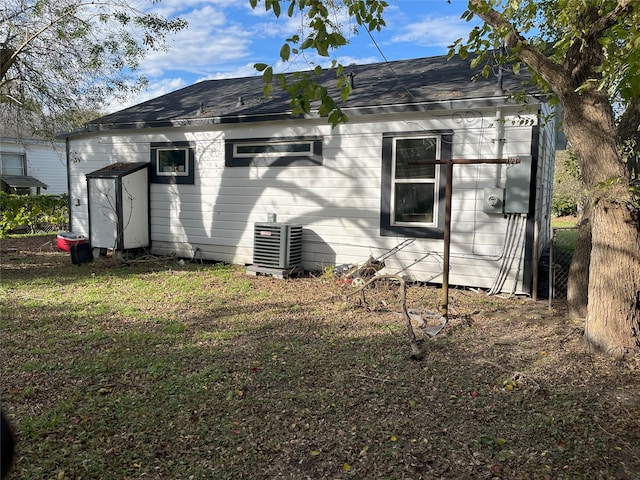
{"type": "Point", "coordinates": [172, 162]}
{"type": "Point", "coordinates": [412, 197]}
{"type": "Point", "coordinates": [273, 153]}
{"type": "Point", "coordinates": [12, 164]}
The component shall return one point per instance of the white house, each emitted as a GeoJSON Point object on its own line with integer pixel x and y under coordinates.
{"type": "Point", "coordinates": [223, 160]}
{"type": "Point", "coordinates": [30, 165]}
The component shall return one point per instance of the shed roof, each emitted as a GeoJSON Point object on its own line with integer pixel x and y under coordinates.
{"type": "Point", "coordinates": [22, 181]}
{"type": "Point", "coordinates": [404, 85]}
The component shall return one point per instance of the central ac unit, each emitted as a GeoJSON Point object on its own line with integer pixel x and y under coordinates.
{"type": "Point", "coordinates": [277, 245]}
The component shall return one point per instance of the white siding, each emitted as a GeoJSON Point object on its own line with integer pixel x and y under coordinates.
{"type": "Point", "coordinates": [546, 166]}
{"type": "Point", "coordinates": [337, 203]}
{"type": "Point", "coordinates": [46, 161]}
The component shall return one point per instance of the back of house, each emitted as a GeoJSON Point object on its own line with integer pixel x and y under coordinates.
{"type": "Point", "coordinates": [231, 172]}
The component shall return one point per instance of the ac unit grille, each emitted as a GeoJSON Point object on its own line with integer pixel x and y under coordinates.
{"type": "Point", "coordinates": [277, 245]}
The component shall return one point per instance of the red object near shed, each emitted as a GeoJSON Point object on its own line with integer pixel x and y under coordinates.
{"type": "Point", "coordinates": [65, 240]}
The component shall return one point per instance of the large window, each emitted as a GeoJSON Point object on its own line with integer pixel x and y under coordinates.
{"type": "Point", "coordinates": [413, 196]}
{"type": "Point", "coordinates": [413, 184]}
{"type": "Point", "coordinates": [172, 162]}
{"type": "Point", "coordinates": [278, 152]}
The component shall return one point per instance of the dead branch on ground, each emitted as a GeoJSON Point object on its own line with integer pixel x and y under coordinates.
{"type": "Point", "coordinates": [416, 352]}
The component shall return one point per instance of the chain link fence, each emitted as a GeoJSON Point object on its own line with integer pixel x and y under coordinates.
{"type": "Point", "coordinates": [42, 227]}
{"type": "Point", "coordinates": [563, 243]}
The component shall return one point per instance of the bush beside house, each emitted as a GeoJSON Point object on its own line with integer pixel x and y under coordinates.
{"type": "Point", "coordinates": [33, 213]}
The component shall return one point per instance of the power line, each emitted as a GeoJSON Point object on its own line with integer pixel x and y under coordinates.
{"type": "Point", "coordinates": [389, 65]}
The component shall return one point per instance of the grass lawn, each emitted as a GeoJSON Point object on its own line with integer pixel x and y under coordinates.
{"type": "Point", "coordinates": [157, 370]}
{"type": "Point", "coordinates": [563, 222]}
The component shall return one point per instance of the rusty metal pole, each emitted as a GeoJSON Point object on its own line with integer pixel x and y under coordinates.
{"type": "Point", "coordinates": [448, 192]}
{"type": "Point", "coordinates": [444, 298]}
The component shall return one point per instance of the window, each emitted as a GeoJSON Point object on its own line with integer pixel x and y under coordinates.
{"type": "Point", "coordinates": [413, 186]}
{"type": "Point", "coordinates": [12, 164]}
{"type": "Point", "coordinates": [413, 199]}
{"type": "Point", "coordinates": [172, 162]}
{"type": "Point", "coordinates": [273, 152]}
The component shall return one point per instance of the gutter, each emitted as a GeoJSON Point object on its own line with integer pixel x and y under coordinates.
{"type": "Point", "coordinates": [433, 105]}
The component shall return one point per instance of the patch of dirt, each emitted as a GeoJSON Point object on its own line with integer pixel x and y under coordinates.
{"type": "Point", "coordinates": [28, 244]}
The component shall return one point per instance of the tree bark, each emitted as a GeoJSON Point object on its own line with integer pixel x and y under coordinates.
{"type": "Point", "coordinates": [613, 312]}
{"type": "Point", "coordinates": [578, 282]}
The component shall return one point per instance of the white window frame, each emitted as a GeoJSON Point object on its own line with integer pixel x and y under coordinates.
{"type": "Point", "coordinates": [184, 173]}
{"type": "Point", "coordinates": [433, 181]}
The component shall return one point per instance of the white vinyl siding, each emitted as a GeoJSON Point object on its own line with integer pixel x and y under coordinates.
{"type": "Point", "coordinates": [337, 203]}
{"type": "Point", "coordinates": [44, 160]}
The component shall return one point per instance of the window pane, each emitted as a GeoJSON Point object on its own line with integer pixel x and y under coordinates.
{"type": "Point", "coordinates": [410, 153]}
{"type": "Point", "coordinates": [172, 161]}
{"type": "Point", "coordinates": [12, 164]}
{"type": "Point", "coordinates": [257, 149]}
{"type": "Point", "coordinates": [414, 202]}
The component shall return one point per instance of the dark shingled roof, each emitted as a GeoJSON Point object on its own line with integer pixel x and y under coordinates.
{"type": "Point", "coordinates": [22, 181]}
{"type": "Point", "coordinates": [404, 85]}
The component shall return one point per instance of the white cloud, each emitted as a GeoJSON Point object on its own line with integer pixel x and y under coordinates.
{"type": "Point", "coordinates": [210, 40]}
{"type": "Point", "coordinates": [433, 32]}
{"type": "Point", "coordinates": [226, 37]}
{"type": "Point", "coordinates": [156, 89]}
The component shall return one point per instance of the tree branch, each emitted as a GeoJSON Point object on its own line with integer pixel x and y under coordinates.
{"type": "Point", "coordinates": [623, 7]}
{"type": "Point", "coordinates": [11, 59]}
{"type": "Point", "coordinates": [550, 71]}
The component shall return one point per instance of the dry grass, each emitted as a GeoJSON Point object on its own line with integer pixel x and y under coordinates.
{"type": "Point", "coordinates": [163, 371]}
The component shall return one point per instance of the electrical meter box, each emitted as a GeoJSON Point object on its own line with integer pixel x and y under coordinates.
{"type": "Point", "coordinates": [493, 200]}
{"type": "Point", "coordinates": [518, 185]}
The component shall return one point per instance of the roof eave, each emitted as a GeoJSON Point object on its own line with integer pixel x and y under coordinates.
{"type": "Point", "coordinates": [418, 106]}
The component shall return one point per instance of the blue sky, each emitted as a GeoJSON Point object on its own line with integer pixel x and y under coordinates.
{"type": "Point", "coordinates": [225, 38]}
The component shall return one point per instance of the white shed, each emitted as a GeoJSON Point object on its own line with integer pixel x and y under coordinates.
{"type": "Point", "coordinates": [119, 206]}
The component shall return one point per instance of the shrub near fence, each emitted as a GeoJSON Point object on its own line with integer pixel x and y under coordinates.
{"type": "Point", "coordinates": [33, 213]}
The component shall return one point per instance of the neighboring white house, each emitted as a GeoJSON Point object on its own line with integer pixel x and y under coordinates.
{"type": "Point", "coordinates": [223, 159]}
{"type": "Point", "coordinates": [29, 165]}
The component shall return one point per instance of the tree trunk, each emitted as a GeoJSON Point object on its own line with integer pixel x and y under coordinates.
{"type": "Point", "coordinates": [613, 312]}
{"type": "Point", "coordinates": [578, 282]}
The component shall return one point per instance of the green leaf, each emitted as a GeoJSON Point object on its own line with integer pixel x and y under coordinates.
{"type": "Point", "coordinates": [476, 61]}
{"type": "Point", "coordinates": [285, 52]}
{"type": "Point", "coordinates": [267, 76]}
{"type": "Point", "coordinates": [260, 66]}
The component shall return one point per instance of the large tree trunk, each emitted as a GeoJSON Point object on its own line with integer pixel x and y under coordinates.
{"type": "Point", "coordinates": [578, 281]}
{"type": "Point", "coordinates": [613, 312]}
